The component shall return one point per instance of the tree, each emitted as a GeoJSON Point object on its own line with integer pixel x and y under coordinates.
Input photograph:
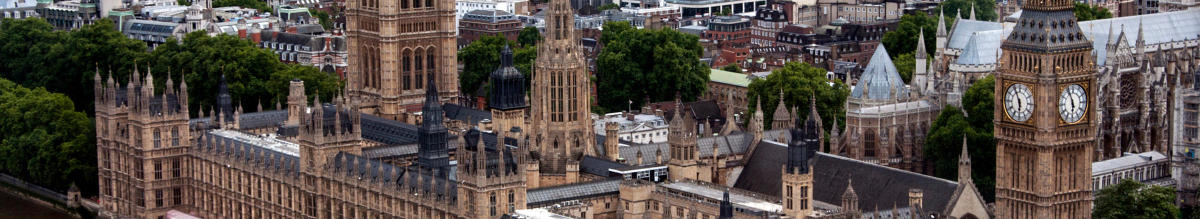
{"type": "Point", "coordinates": [183, 2]}
{"type": "Point", "coordinates": [903, 39]}
{"type": "Point", "coordinates": [732, 68]}
{"type": "Point", "coordinates": [529, 37]}
{"type": "Point", "coordinates": [482, 57]}
{"type": "Point", "coordinates": [725, 12]}
{"type": "Point", "coordinates": [636, 64]}
{"type": "Point", "coordinates": [905, 63]}
{"type": "Point", "coordinates": [608, 6]}
{"type": "Point", "coordinates": [44, 141]}
{"type": "Point", "coordinates": [943, 144]}
{"type": "Point", "coordinates": [984, 9]}
{"type": "Point", "coordinates": [799, 81]}
{"type": "Point", "coordinates": [1086, 12]}
{"type": "Point", "coordinates": [1131, 199]}
{"type": "Point", "coordinates": [38, 56]}
{"type": "Point", "coordinates": [261, 6]}
{"type": "Point", "coordinates": [314, 80]}
{"type": "Point", "coordinates": [322, 18]}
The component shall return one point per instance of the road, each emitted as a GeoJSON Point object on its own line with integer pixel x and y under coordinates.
{"type": "Point", "coordinates": [16, 207]}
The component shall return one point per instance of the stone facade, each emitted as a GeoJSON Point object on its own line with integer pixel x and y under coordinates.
{"type": "Point", "coordinates": [394, 46]}
{"type": "Point", "coordinates": [560, 115]}
{"type": "Point", "coordinates": [303, 162]}
{"type": "Point", "coordinates": [886, 122]}
{"type": "Point", "coordinates": [1043, 158]}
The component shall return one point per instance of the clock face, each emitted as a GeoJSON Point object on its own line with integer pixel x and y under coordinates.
{"type": "Point", "coordinates": [1072, 103]}
{"type": "Point", "coordinates": [1018, 102]}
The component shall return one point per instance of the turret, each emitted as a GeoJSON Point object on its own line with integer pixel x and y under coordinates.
{"type": "Point", "coordinates": [726, 207]}
{"type": "Point", "coordinates": [431, 137]}
{"type": "Point", "coordinates": [296, 102]}
{"type": "Point", "coordinates": [781, 119]}
{"type": "Point", "coordinates": [610, 141]}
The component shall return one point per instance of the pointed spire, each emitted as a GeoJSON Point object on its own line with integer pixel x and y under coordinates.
{"type": "Point", "coordinates": [1112, 39]}
{"type": "Point", "coordinates": [964, 162]}
{"type": "Point", "coordinates": [170, 83]}
{"type": "Point", "coordinates": [136, 78]}
{"type": "Point", "coordinates": [958, 15]}
{"type": "Point", "coordinates": [921, 54]}
{"type": "Point", "coordinates": [941, 25]}
{"type": "Point", "coordinates": [972, 11]}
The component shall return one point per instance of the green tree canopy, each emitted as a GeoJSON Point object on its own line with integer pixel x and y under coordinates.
{"type": "Point", "coordinates": [322, 18]}
{"type": "Point", "coordinates": [636, 64]}
{"type": "Point", "coordinates": [44, 141]}
{"type": "Point", "coordinates": [943, 144]}
{"type": "Point", "coordinates": [1086, 12]}
{"type": "Point", "coordinates": [799, 81]}
{"type": "Point", "coordinates": [905, 63]}
{"type": "Point", "coordinates": [1131, 199]}
{"type": "Point", "coordinates": [37, 56]}
{"type": "Point", "coordinates": [254, 4]}
{"type": "Point", "coordinates": [903, 40]}
{"type": "Point", "coordinates": [984, 9]}
{"type": "Point", "coordinates": [732, 68]}
{"type": "Point", "coordinates": [482, 56]}
{"type": "Point", "coordinates": [529, 37]}
{"type": "Point", "coordinates": [250, 71]}
{"type": "Point", "coordinates": [608, 6]}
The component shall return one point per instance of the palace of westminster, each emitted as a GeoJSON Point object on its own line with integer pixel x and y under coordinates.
{"type": "Point", "coordinates": [1060, 106]}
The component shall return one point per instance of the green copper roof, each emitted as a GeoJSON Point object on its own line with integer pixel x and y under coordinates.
{"type": "Point", "coordinates": [731, 78]}
{"type": "Point", "coordinates": [120, 13]}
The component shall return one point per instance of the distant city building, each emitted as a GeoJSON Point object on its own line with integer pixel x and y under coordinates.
{"type": "Point", "coordinates": [636, 128]}
{"type": "Point", "coordinates": [326, 52]}
{"type": "Point", "coordinates": [1148, 167]}
{"type": "Point", "coordinates": [513, 7]}
{"type": "Point", "coordinates": [699, 8]}
{"type": "Point", "coordinates": [479, 23]}
{"type": "Point", "coordinates": [766, 24]}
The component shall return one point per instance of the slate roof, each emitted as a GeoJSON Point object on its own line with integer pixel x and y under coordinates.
{"type": "Point", "coordinates": [465, 114]}
{"type": "Point", "coordinates": [598, 166]}
{"type": "Point", "coordinates": [264, 119]}
{"type": "Point", "coordinates": [490, 16]}
{"type": "Point", "coordinates": [550, 195]}
{"type": "Point", "coordinates": [964, 28]}
{"type": "Point", "coordinates": [250, 152]}
{"type": "Point", "coordinates": [373, 170]}
{"type": "Point", "coordinates": [875, 185]}
{"type": "Point", "coordinates": [1129, 160]}
{"type": "Point", "coordinates": [880, 80]}
{"type": "Point", "coordinates": [388, 131]}
{"type": "Point", "coordinates": [983, 47]}
{"type": "Point", "coordinates": [1157, 28]}
{"type": "Point", "coordinates": [738, 143]}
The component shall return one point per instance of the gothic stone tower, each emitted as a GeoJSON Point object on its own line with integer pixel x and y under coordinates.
{"type": "Point", "coordinates": [797, 172]}
{"type": "Point", "coordinates": [507, 100]}
{"type": "Point", "coordinates": [142, 141]}
{"type": "Point", "coordinates": [561, 95]}
{"type": "Point", "coordinates": [1044, 116]}
{"type": "Point", "coordinates": [394, 45]}
{"type": "Point", "coordinates": [432, 152]}
{"type": "Point", "coordinates": [492, 181]}
{"type": "Point", "coordinates": [681, 139]}
{"type": "Point", "coordinates": [324, 133]}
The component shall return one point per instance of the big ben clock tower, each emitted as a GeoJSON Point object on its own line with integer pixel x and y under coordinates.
{"type": "Point", "coordinates": [1044, 119]}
